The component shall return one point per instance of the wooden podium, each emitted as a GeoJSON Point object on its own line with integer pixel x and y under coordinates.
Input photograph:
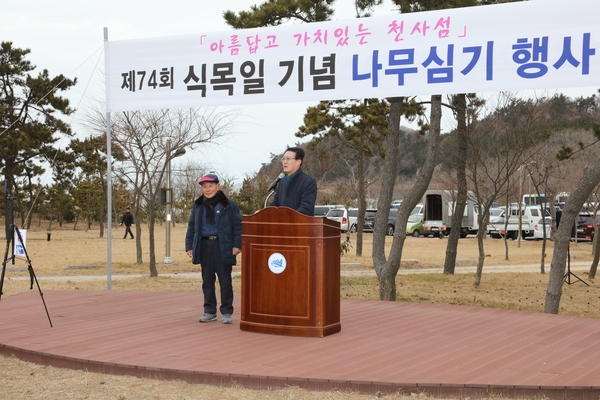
{"type": "Point", "coordinates": [290, 273]}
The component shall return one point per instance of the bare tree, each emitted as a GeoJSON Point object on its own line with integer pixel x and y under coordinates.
{"type": "Point", "coordinates": [460, 112]}
{"type": "Point", "coordinates": [498, 148]}
{"type": "Point", "coordinates": [150, 139]}
{"type": "Point", "coordinates": [186, 188]}
{"type": "Point", "coordinates": [358, 127]}
{"type": "Point", "coordinates": [586, 185]}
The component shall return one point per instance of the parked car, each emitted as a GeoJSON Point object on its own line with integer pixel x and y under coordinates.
{"type": "Point", "coordinates": [368, 222]}
{"type": "Point", "coordinates": [497, 215]}
{"type": "Point", "coordinates": [391, 225]}
{"type": "Point", "coordinates": [538, 228]}
{"type": "Point", "coordinates": [585, 225]}
{"type": "Point", "coordinates": [352, 217]}
{"type": "Point", "coordinates": [417, 210]}
{"type": "Point", "coordinates": [529, 216]}
{"type": "Point", "coordinates": [322, 210]}
{"type": "Point", "coordinates": [340, 215]}
{"type": "Point", "coordinates": [370, 217]}
{"type": "Point", "coordinates": [414, 226]}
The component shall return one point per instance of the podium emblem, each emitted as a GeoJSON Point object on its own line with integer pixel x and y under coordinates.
{"type": "Point", "coordinates": [277, 263]}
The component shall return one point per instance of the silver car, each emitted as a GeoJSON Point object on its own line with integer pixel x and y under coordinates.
{"type": "Point", "coordinates": [497, 216]}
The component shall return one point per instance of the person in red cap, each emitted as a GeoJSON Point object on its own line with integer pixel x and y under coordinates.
{"type": "Point", "coordinates": [213, 240]}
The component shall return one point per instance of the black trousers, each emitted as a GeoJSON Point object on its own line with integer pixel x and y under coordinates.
{"type": "Point", "coordinates": [212, 268]}
{"type": "Point", "coordinates": [128, 231]}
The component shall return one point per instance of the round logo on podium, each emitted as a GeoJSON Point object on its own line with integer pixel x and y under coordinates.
{"type": "Point", "coordinates": [277, 263]}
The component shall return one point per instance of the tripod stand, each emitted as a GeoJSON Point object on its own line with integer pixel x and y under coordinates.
{"type": "Point", "coordinates": [567, 277]}
{"type": "Point", "coordinates": [10, 248]}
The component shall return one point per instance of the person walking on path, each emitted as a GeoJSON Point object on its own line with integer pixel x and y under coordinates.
{"type": "Point", "coordinates": [127, 220]}
{"type": "Point", "coordinates": [213, 240]}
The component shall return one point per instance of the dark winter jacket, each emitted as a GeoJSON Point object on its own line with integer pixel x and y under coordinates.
{"type": "Point", "coordinates": [230, 230]}
{"type": "Point", "coordinates": [127, 219]}
{"type": "Point", "coordinates": [300, 193]}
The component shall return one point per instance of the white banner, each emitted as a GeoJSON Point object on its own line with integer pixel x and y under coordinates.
{"type": "Point", "coordinates": [20, 246]}
{"type": "Point", "coordinates": [515, 46]}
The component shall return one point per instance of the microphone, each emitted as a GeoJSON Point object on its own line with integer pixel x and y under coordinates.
{"type": "Point", "coordinates": [273, 185]}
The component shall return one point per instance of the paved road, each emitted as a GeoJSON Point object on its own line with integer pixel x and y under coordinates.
{"type": "Point", "coordinates": [575, 266]}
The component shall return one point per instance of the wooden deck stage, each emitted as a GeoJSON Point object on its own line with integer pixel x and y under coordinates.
{"type": "Point", "coordinates": [383, 347]}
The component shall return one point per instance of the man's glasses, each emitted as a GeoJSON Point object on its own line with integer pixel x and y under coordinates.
{"type": "Point", "coordinates": [287, 159]}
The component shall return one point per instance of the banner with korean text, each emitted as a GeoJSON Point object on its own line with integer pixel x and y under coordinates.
{"type": "Point", "coordinates": [515, 46]}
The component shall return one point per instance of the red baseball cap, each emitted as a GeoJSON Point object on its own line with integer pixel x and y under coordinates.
{"type": "Point", "coordinates": [209, 178]}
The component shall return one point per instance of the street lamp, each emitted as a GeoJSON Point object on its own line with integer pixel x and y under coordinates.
{"type": "Point", "coordinates": [169, 202]}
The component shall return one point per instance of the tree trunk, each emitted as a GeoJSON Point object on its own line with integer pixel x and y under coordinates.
{"type": "Point", "coordinates": [480, 258]}
{"type": "Point", "coordinates": [385, 275]}
{"type": "Point", "coordinates": [594, 266]}
{"type": "Point", "coordinates": [362, 203]}
{"type": "Point", "coordinates": [387, 270]}
{"type": "Point", "coordinates": [543, 260]}
{"type": "Point", "coordinates": [482, 220]}
{"type": "Point", "coordinates": [138, 227]}
{"type": "Point", "coordinates": [460, 103]}
{"type": "Point", "coordinates": [151, 243]}
{"type": "Point", "coordinates": [591, 177]}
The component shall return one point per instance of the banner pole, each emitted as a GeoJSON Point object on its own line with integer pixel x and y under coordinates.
{"type": "Point", "coordinates": [108, 171]}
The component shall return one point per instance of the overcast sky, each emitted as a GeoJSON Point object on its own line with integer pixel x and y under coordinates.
{"type": "Point", "coordinates": [66, 37]}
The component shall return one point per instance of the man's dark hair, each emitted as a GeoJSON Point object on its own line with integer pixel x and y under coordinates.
{"type": "Point", "coordinates": [299, 153]}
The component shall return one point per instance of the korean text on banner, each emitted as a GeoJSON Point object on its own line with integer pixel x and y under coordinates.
{"type": "Point", "coordinates": [513, 46]}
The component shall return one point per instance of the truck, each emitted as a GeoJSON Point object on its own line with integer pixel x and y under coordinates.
{"type": "Point", "coordinates": [438, 208]}
{"type": "Point", "coordinates": [530, 215]}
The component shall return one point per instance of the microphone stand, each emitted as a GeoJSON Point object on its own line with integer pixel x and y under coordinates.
{"type": "Point", "coordinates": [269, 195]}
{"type": "Point", "coordinates": [273, 187]}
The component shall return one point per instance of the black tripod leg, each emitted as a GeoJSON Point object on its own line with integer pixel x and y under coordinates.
{"type": "Point", "coordinates": [6, 258]}
{"type": "Point", "coordinates": [32, 276]}
{"type": "Point", "coordinates": [567, 277]}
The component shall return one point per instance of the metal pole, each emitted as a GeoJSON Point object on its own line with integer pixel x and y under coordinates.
{"type": "Point", "coordinates": [520, 213]}
{"type": "Point", "coordinates": [108, 174]}
{"type": "Point", "coordinates": [168, 259]}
